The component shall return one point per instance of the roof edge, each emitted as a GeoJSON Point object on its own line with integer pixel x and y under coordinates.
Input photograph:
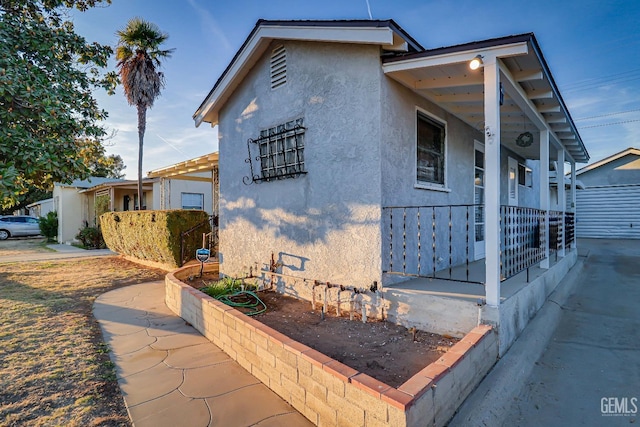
{"type": "Point", "coordinates": [609, 159]}
{"type": "Point", "coordinates": [264, 23]}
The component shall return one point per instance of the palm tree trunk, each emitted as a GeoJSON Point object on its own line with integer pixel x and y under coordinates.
{"type": "Point", "coordinates": [142, 124]}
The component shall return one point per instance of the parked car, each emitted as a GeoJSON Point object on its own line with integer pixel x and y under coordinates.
{"type": "Point", "coordinates": [18, 225]}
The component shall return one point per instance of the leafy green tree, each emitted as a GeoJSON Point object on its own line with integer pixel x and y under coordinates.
{"type": "Point", "coordinates": [138, 54]}
{"type": "Point", "coordinates": [47, 111]}
{"type": "Point", "coordinates": [99, 163]}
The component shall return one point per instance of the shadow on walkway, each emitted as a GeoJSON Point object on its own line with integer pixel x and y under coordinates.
{"type": "Point", "coordinates": [171, 375]}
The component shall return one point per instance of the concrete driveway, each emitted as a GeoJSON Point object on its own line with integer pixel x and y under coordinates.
{"type": "Point", "coordinates": [589, 372]}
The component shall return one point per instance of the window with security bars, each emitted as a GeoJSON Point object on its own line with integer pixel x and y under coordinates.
{"type": "Point", "coordinates": [282, 150]}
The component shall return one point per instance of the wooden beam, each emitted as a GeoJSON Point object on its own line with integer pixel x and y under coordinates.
{"type": "Point", "coordinates": [539, 95]}
{"type": "Point", "coordinates": [526, 76]}
{"type": "Point", "coordinates": [462, 97]}
{"type": "Point", "coordinates": [449, 82]}
{"type": "Point", "coordinates": [190, 178]}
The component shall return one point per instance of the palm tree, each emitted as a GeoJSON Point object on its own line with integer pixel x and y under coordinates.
{"type": "Point", "coordinates": [138, 54]}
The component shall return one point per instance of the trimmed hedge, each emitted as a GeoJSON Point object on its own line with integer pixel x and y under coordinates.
{"type": "Point", "coordinates": [153, 235]}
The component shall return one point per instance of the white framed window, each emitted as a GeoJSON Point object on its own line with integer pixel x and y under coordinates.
{"type": "Point", "coordinates": [193, 201]}
{"type": "Point", "coordinates": [136, 206]}
{"type": "Point", "coordinates": [525, 175]}
{"type": "Point", "coordinates": [431, 151]}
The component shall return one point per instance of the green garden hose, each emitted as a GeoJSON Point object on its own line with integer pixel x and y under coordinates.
{"type": "Point", "coordinates": [244, 299]}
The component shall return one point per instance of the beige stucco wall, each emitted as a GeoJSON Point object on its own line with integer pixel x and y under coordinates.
{"type": "Point", "coordinates": [324, 225]}
{"type": "Point", "coordinates": [176, 186]}
{"type": "Point", "coordinates": [72, 209]}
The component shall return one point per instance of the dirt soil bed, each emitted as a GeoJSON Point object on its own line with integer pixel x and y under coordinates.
{"type": "Point", "coordinates": [383, 350]}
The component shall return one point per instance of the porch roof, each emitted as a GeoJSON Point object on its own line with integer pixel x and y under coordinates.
{"type": "Point", "coordinates": [147, 184]}
{"type": "Point", "coordinates": [199, 164]}
{"type": "Point", "coordinates": [532, 101]}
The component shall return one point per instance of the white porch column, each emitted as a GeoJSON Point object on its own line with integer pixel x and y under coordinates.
{"type": "Point", "coordinates": [492, 180]}
{"type": "Point", "coordinates": [544, 192]}
{"type": "Point", "coordinates": [562, 199]}
{"type": "Point", "coordinates": [573, 203]}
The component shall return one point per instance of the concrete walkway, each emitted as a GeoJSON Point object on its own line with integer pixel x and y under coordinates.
{"type": "Point", "coordinates": [578, 361]}
{"type": "Point", "coordinates": [57, 252]}
{"type": "Point", "coordinates": [171, 375]}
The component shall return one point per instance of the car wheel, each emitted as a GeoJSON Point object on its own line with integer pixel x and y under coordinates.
{"type": "Point", "coordinates": [4, 235]}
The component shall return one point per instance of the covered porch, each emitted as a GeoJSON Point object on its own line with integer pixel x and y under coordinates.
{"type": "Point", "coordinates": [504, 89]}
{"type": "Point", "coordinates": [115, 196]}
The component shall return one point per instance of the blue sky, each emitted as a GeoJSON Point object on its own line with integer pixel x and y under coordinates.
{"type": "Point", "coordinates": [591, 47]}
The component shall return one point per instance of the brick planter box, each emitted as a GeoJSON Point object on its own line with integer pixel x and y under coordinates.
{"type": "Point", "coordinates": [324, 390]}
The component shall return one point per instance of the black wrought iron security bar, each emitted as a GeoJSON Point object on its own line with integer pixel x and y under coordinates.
{"type": "Point", "coordinates": [278, 159]}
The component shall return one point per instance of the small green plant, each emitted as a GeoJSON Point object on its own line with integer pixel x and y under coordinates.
{"type": "Point", "coordinates": [225, 286]}
{"type": "Point", "coordinates": [91, 238]}
{"type": "Point", "coordinates": [49, 226]}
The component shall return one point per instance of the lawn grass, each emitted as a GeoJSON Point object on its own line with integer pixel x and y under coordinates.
{"type": "Point", "coordinates": [54, 365]}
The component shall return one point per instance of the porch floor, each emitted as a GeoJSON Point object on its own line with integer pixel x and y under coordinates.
{"type": "Point", "coordinates": [456, 287]}
{"type": "Point", "coordinates": [454, 307]}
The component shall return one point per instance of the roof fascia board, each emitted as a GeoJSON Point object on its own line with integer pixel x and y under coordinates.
{"type": "Point", "coordinates": [264, 34]}
{"type": "Point", "coordinates": [519, 96]}
{"type": "Point", "coordinates": [512, 49]}
{"type": "Point", "coordinates": [608, 160]}
{"type": "Point", "coordinates": [545, 69]}
{"type": "Point", "coordinates": [362, 35]}
{"type": "Point", "coordinates": [198, 164]}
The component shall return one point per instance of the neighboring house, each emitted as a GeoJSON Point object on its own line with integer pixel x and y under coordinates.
{"type": "Point", "coordinates": [358, 157]}
{"type": "Point", "coordinates": [191, 184]}
{"type": "Point", "coordinates": [40, 208]}
{"type": "Point", "coordinates": [609, 205]}
{"type": "Point", "coordinates": [114, 196]}
{"type": "Point", "coordinates": [72, 206]}
{"type": "Point", "coordinates": [184, 185]}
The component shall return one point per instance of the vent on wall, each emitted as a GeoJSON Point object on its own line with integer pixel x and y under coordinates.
{"type": "Point", "coordinates": [278, 67]}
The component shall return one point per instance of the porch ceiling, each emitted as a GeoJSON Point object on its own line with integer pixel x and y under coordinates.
{"type": "Point", "coordinates": [531, 99]}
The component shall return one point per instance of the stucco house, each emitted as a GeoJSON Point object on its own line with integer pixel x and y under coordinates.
{"type": "Point", "coordinates": [40, 208]}
{"type": "Point", "coordinates": [185, 185]}
{"type": "Point", "coordinates": [356, 156]}
{"type": "Point", "coordinates": [72, 206]}
{"type": "Point", "coordinates": [609, 204]}
{"type": "Point", "coordinates": [191, 184]}
{"type": "Point", "coordinates": [121, 195]}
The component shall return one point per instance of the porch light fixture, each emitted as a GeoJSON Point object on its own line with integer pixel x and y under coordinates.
{"type": "Point", "coordinates": [476, 62]}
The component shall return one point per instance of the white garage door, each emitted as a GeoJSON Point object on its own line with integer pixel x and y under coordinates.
{"type": "Point", "coordinates": [609, 212]}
